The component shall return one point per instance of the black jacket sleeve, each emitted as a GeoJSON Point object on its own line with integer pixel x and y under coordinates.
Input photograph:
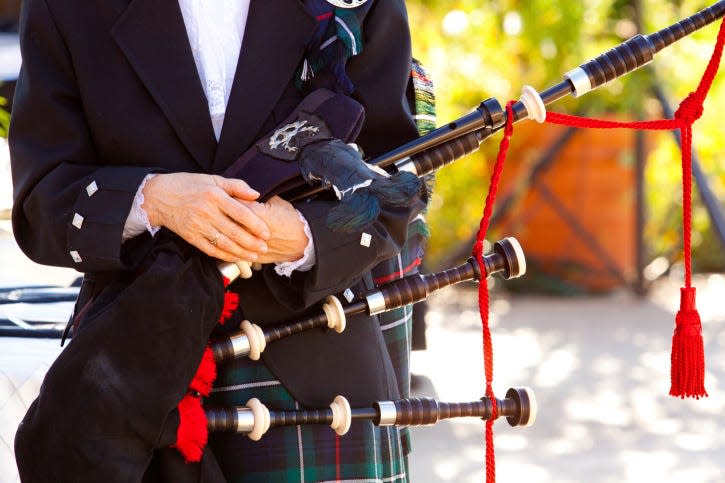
{"type": "Point", "coordinates": [68, 210]}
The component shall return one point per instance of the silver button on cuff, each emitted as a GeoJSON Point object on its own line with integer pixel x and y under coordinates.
{"type": "Point", "coordinates": [365, 240]}
{"type": "Point", "coordinates": [77, 221]}
{"type": "Point", "coordinates": [91, 188]}
{"type": "Point", "coordinates": [76, 256]}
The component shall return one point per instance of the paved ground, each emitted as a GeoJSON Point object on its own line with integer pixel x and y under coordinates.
{"type": "Point", "coordinates": [598, 365]}
{"type": "Point", "coordinates": [600, 369]}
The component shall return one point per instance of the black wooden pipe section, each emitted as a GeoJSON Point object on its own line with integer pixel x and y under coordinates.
{"type": "Point", "coordinates": [408, 290]}
{"type": "Point", "coordinates": [518, 407]}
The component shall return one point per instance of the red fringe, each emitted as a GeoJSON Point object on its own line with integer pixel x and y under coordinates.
{"type": "Point", "coordinates": [205, 374]}
{"type": "Point", "coordinates": [231, 303]}
{"type": "Point", "coordinates": [688, 354]}
{"type": "Point", "coordinates": [192, 435]}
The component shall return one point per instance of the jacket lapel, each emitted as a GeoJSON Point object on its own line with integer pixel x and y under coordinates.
{"type": "Point", "coordinates": [152, 35]}
{"type": "Point", "coordinates": [275, 37]}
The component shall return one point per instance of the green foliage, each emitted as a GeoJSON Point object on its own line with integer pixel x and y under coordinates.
{"type": "Point", "coordinates": [4, 118]}
{"type": "Point", "coordinates": [476, 49]}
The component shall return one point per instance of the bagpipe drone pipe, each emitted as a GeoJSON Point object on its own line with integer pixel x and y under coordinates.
{"type": "Point", "coordinates": [254, 419]}
{"type": "Point", "coordinates": [507, 259]}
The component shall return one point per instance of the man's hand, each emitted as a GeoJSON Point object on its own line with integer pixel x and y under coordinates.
{"type": "Point", "coordinates": [210, 212]}
{"type": "Point", "coordinates": [287, 240]}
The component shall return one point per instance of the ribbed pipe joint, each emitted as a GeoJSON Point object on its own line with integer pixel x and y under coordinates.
{"type": "Point", "coordinates": [223, 350]}
{"type": "Point", "coordinates": [624, 58]}
{"type": "Point", "coordinates": [441, 155]}
{"type": "Point", "coordinates": [417, 412]}
{"type": "Point", "coordinates": [238, 419]}
{"type": "Point", "coordinates": [669, 35]}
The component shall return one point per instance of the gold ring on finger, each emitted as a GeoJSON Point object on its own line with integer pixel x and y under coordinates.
{"type": "Point", "coordinates": [215, 240]}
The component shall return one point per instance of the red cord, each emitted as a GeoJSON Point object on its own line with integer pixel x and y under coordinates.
{"type": "Point", "coordinates": [483, 302]}
{"type": "Point", "coordinates": [688, 358]}
{"type": "Point", "coordinates": [690, 110]}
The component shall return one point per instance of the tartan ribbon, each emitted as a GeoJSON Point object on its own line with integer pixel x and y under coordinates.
{"type": "Point", "coordinates": [338, 37]}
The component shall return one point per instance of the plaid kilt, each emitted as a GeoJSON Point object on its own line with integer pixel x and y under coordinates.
{"type": "Point", "coordinates": [302, 453]}
{"type": "Point", "coordinates": [308, 453]}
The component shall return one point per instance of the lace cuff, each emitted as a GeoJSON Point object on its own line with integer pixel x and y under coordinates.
{"type": "Point", "coordinates": [138, 221]}
{"type": "Point", "coordinates": [308, 259]}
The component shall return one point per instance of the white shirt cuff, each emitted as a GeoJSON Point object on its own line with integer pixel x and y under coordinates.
{"type": "Point", "coordinates": [308, 259]}
{"type": "Point", "coordinates": [138, 221]}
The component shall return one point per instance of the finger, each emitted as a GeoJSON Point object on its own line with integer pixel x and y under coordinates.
{"type": "Point", "coordinates": [224, 249]}
{"type": "Point", "coordinates": [276, 200]}
{"type": "Point", "coordinates": [245, 216]}
{"type": "Point", "coordinates": [236, 188]}
{"type": "Point", "coordinates": [237, 240]}
{"type": "Point", "coordinates": [213, 251]}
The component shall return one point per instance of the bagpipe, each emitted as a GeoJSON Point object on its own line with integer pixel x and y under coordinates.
{"type": "Point", "coordinates": [453, 141]}
{"type": "Point", "coordinates": [139, 371]}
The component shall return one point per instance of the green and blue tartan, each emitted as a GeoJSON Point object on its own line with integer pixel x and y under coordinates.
{"type": "Point", "coordinates": [338, 37]}
{"type": "Point", "coordinates": [301, 453]}
{"type": "Point", "coordinates": [308, 453]}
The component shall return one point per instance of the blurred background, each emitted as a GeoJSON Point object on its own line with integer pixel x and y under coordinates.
{"type": "Point", "coordinates": [480, 49]}
{"type": "Point", "coordinates": [599, 216]}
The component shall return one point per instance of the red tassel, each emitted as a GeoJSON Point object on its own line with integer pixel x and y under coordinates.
{"type": "Point", "coordinates": [231, 303]}
{"type": "Point", "coordinates": [205, 374]}
{"type": "Point", "coordinates": [688, 354]}
{"type": "Point", "coordinates": [192, 435]}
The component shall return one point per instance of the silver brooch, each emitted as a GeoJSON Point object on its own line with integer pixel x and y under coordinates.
{"type": "Point", "coordinates": [284, 135]}
{"type": "Point", "coordinates": [346, 3]}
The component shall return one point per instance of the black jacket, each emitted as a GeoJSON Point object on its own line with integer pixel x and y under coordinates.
{"type": "Point", "coordinates": [109, 92]}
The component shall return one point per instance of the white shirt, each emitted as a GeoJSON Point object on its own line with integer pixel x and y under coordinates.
{"type": "Point", "coordinates": [215, 31]}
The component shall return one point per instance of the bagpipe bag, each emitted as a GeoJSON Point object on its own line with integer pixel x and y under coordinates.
{"type": "Point", "coordinates": [109, 401]}
{"type": "Point", "coordinates": [105, 402]}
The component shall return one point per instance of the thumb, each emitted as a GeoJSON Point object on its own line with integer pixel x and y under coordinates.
{"type": "Point", "coordinates": [236, 188]}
